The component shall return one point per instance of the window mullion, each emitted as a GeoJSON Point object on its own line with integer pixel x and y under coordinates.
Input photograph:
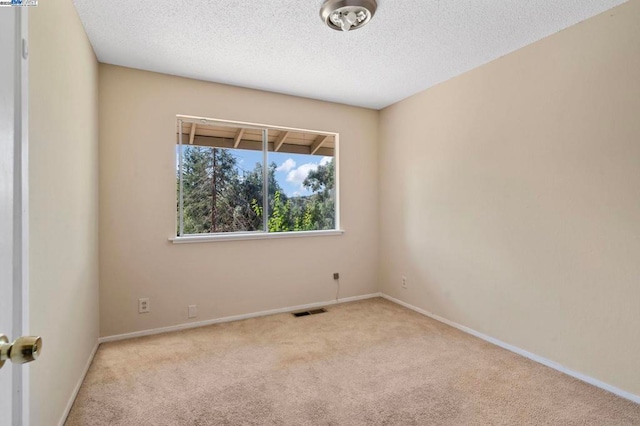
{"type": "Point", "coordinates": [180, 177]}
{"type": "Point", "coordinates": [265, 180]}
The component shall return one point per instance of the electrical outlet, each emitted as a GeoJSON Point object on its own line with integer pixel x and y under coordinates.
{"type": "Point", "coordinates": [336, 276]}
{"type": "Point", "coordinates": [404, 282]}
{"type": "Point", "coordinates": [193, 311]}
{"type": "Point", "coordinates": [144, 306]}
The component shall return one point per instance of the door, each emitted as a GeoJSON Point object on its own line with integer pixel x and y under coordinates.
{"type": "Point", "coordinates": [12, 212]}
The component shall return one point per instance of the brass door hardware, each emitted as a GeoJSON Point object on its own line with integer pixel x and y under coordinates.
{"type": "Point", "coordinates": [24, 349]}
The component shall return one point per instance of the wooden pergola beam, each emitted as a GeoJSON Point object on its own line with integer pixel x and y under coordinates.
{"type": "Point", "coordinates": [218, 142]}
{"type": "Point", "coordinates": [280, 140]}
{"type": "Point", "coordinates": [192, 135]}
{"type": "Point", "coordinates": [238, 138]}
{"type": "Point", "coordinates": [315, 146]}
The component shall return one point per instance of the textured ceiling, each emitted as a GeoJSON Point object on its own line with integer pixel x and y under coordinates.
{"type": "Point", "coordinates": [283, 46]}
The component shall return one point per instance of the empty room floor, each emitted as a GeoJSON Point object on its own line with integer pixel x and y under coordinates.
{"type": "Point", "coordinates": [361, 363]}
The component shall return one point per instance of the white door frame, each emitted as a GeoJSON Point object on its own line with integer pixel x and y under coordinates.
{"type": "Point", "coordinates": [23, 283]}
{"type": "Point", "coordinates": [14, 200]}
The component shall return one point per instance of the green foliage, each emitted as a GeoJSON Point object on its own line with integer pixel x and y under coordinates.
{"type": "Point", "coordinates": [322, 179]}
{"type": "Point", "coordinates": [218, 197]}
{"type": "Point", "coordinates": [319, 212]}
{"type": "Point", "coordinates": [280, 218]}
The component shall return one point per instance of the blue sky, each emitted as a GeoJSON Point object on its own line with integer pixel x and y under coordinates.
{"type": "Point", "coordinates": [292, 168]}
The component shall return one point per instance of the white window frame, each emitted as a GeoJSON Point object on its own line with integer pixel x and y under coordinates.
{"type": "Point", "coordinates": [252, 235]}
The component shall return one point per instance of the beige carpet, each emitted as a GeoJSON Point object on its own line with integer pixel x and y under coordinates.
{"type": "Point", "coordinates": [363, 363]}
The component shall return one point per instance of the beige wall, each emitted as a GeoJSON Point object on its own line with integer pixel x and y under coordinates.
{"type": "Point", "coordinates": [63, 175]}
{"type": "Point", "coordinates": [137, 208]}
{"type": "Point", "coordinates": [510, 198]}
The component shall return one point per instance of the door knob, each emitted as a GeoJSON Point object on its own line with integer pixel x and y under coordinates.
{"type": "Point", "coordinates": [24, 349]}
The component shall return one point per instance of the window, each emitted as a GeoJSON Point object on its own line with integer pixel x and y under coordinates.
{"type": "Point", "coordinates": [238, 179]}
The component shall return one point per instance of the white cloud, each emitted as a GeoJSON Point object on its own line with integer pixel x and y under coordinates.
{"type": "Point", "coordinates": [297, 176]}
{"type": "Point", "coordinates": [286, 166]}
{"type": "Point", "coordinates": [325, 161]}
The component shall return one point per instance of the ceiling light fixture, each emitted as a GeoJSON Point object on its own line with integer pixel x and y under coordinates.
{"type": "Point", "coordinates": [346, 15]}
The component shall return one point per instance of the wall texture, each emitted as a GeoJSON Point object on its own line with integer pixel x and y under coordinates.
{"type": "Point", "coordinates": [63, 185]}
{"type": "Point", "coordinates": [510, 198]}
{"type": "Point", "coordinates": [138, 203]}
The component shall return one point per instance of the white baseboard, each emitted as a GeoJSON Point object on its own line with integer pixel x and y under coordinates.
{"type": "Point", "coordinates": [544, 361]}
{"type": "Point", "coordinates": [233, 318]}
{"type": "Point", "coordinates": [67, 410]}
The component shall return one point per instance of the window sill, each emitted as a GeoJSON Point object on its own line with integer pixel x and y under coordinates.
{"type": "Point", "coordinates": [207, 238]}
